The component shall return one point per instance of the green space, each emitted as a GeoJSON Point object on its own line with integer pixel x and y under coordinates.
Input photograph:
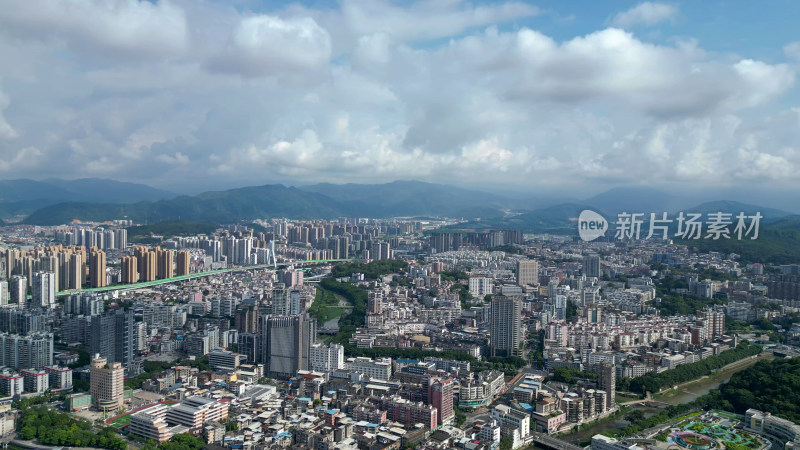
{"type": "Point", "coordinates": [56, 428]}
{"type": "Point", "coordinates": [325, 306]}
{"type": "Point", "coordinates": [777, 243]}
{"type": "Point", "coordinates": [655, 382]}
{"type": "Point", "coordinates": [772, 386]}
{"type": "Point", "coordinates": [121, 421]}
{"type": "Point", "coordinates": [708, 431]}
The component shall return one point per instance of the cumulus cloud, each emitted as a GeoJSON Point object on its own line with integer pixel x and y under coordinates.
{"type": "Point", "coordinates": [129, 26]}
{"type": "Point", "coordinates": [264, 44]}
{"type": "Point", "coordinates": [370, 92]}
{"type": "Point", "coordinates": [647, 13]}
{"type": "Point", "coordinates": [429, 19]}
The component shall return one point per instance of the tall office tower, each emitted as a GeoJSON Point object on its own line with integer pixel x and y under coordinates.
{"type": "Point", "coordinates": [25, 352]}
{"type": "Point", "coordinates": [286, 342]}
{"type": "Point", "coordinates": [44, 290]}
{"type": "Point", "coordinates": [107, 384]}
{"type": "Point", "coordinates": [97, 268]}
{"type": "Point", "coordinates": [506, 325]}
{"type": "Point", "coordinates": [18, 291]}
{"type": "Point", "coordinates": [182, 263]}
{"type": "Point", "coordinates": [128, 273]}
{"type": "Point", "coordinates": [440, 395]}
{"type": "Point", "coordinates": [607, 381]}
{"type": "Point", "coordinates": [3, 293]}
{"type": "Point", "coordinates": [527, 272]}
{"type": "Point", "coordinates": [165, 266]}
{"type": "Point", "coordinates": [121, 238]}
{"type": "Point", "coordinates": [113, 336]}
{"type": "Point", "coordinates": [591, 266]}
{"type": "Point", "coordinates": [247, 319]}
{"type": "Point", "coordinates": [249, 345]}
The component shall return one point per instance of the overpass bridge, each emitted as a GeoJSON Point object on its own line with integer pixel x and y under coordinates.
{"type": "Point", "coordinates": [545, 440]}
{"type": "Point", "coordinates": [146, 284]}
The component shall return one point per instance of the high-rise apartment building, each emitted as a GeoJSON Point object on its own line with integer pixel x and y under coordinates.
{"type": "Point", "coordinates": [3, 293]}
{"type": "Point", "coordinates": [324, 358]}
{"type": "Point", "coordinates": [165, 267]}
{"type": "Point", "coordinates": [44, 290]}
{"type": "Point", "coordinates": [97, 268]}
{"type": "Point", "coordinates": [32, 351]}
{"type": "Point", "coordinates": [440, 395]}
{"type": "Point", "coordinates": [527, 272]}
{"type": "Point", "coordinates": [506, 326]}
{"type": "Point", "coordinates": [146, 261]}
{"type": "Point", "coordinates": [18, 290]}
{"type": "Point", "coordinates": [607, 381]}
{"type": "Point", "coordinates": [129, 270]}
{"type": "Point", "coordinates": [106, 384]}
{"type": "Point", "coordinates": [182, 263]}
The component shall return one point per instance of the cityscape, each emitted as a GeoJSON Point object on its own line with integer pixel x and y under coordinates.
{"type": "Point", "coordinates": [395, 225]}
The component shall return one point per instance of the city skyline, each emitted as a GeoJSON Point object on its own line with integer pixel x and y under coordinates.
{"type": "Point", "coordinates": [510, 95]}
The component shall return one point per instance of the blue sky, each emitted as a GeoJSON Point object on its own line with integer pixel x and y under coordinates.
{"type": "Point", "coordinates": [573, 97]}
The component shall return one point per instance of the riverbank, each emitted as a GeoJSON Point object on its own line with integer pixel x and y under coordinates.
{"type": "Point", "coordinates": [691, 390]}
{"type": "Point", "coordinates": [685, 393]}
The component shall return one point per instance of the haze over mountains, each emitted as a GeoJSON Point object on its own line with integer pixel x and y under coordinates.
{"type": "Point", "coordinates": [52, 202]}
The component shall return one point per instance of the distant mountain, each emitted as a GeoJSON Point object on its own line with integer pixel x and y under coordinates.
{"type": "Point", "coordinates": [81, 190]}
{"type": "Point", "coordinates": [23, 196]}
{"type": "Point", "coordinates": [636, 199]}
{"type": "Point", "coordinates": [734, 208]}
{"type": "Point", "coordinates": [215, 207]}
{"type": "Point", "coordinates": [415, 198]}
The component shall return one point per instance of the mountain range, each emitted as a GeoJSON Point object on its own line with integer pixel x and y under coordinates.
{"type": "Point", "coordinates": [99, 200]}
{"type": "Point", "coordinates": [24, 196]}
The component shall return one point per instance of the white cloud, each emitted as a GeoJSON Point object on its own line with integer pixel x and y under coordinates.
{"type": "Point", "coordinates": [6, 131]}
{"type": "Point", "coordinates": [130, 26]}
{"type": "Point", "coordinates": [647, 13]}
{"type": "Point", "coordinates": [265, 44]}
{"type": "Point", "coordinates": [792, 51]}
{"type": "Point", "coordinates": [369, 92]}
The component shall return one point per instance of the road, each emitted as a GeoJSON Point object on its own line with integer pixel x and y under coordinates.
{"type": "Point", "coordinates": [548, 441]}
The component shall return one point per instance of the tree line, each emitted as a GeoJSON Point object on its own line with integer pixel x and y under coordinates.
{"type": "Point", "coordinates": [56, 428]}
{"type": "Point", "coordinates": [654, 382]}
